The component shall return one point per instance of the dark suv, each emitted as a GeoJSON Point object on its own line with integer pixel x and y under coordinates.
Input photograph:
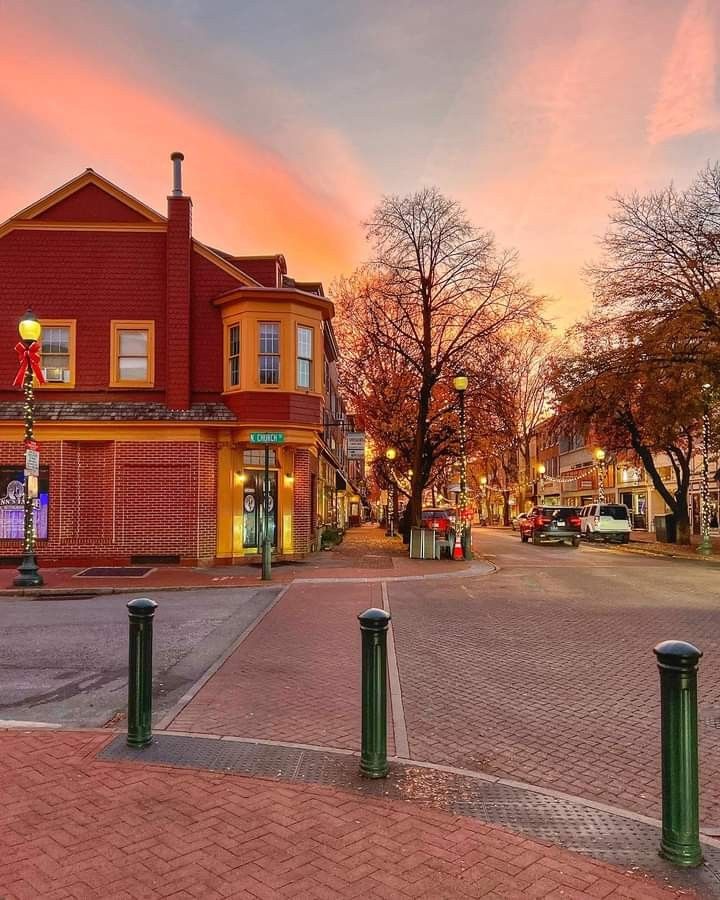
{"type": "Point", "coordinates": [440, 520]}
{"type": "Point", "coordinates": [551, 523]}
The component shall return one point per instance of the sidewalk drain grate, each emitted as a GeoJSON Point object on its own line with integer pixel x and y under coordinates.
{"type": "Point", "coordinates": [570, 824]}
{"type": "Point", "coordinates": [114, 572]}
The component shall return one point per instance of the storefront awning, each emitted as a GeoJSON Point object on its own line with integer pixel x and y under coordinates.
{"type": "Point", "coordinates": [340, 482]}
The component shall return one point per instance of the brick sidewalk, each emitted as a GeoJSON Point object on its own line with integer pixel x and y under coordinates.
{"type": "Point", "coordinates": [73, 827]}
{"type": "Point", "coordinates": [364, 553]}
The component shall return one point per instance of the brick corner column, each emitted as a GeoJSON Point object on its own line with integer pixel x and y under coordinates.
{"type": "Point", "coordinates": [302, 502]}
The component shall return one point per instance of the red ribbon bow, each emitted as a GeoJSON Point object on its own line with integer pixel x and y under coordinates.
{"type": "Point", "coordinates": [29, 358]}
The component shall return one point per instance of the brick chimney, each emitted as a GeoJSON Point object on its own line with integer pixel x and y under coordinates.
{"type": "Point", "coordinates": [177, 303]}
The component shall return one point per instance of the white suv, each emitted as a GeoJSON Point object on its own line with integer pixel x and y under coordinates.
{"type": "Point", "coordinates": [605, 521]}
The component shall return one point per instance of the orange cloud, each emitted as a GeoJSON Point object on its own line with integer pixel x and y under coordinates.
{"type": "Point", "coordinates": [686, 102]}
{"type": "Point", "coordinates": [248, 199]}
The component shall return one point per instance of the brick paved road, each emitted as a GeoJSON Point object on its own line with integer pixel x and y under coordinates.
{"type": "Point", "coordinates": [296, 678]}
{"type": "Point", "coordinates": [545, 672]}
{"type": "Point", "coordinates": [72, 827]}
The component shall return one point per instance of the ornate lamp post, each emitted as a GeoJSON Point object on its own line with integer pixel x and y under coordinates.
{"type": "Point", "coordinates": [460, 383]}
{"type": "Point", "coordinates": [390, 454]}
{"type": "Point", "coordinates": [600, 458]}
{"type": "Point", "coordinates": [705, 547]}
{"type": "Point", "coordinates": [483, 499]}
{"type": "Point", "coordinates": [28, 351]}
{"type": "Point", "coordinates": [541, 484]}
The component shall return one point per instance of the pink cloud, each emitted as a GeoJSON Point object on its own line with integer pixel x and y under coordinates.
{"type": "Point", "coordinates": [248, 198]}
{"type": "Point", "coordinates": [686, 102]}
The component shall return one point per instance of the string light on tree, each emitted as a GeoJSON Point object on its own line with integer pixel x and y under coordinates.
{"type": "Point", "coordinates": [705, 547]}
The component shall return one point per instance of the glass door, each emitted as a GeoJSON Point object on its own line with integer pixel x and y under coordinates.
{"type": "Point", "coordinates": [254, 509]}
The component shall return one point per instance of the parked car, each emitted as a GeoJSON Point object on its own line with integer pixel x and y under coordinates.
{"type": "Point", "coordinates": [440, 520]}
{"type": "Point", "coordinates": [515, 521]}
{"type": "Point", "coordinates": [551, 523]}
{"type": "Point", "coordinates": [606, 521]}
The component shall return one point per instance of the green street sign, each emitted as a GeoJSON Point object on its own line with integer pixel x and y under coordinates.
{"type": "Point", "coordinates": [266, 437]}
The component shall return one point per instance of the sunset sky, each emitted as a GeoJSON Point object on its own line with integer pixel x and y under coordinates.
{"type": "Point", "coordinates": [295, 116]}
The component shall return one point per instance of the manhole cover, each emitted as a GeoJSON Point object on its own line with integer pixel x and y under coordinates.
{"type": "Point", "coordinates": [114, 572]}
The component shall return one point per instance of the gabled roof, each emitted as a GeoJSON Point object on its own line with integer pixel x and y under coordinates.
{"type": "Point", "coordinates": [88, 177]}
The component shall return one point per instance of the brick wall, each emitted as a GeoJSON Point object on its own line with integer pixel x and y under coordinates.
{"type": "Point", "coordinates": [111, 500]}
{"type": "Point", "coordinates": [302, 505]}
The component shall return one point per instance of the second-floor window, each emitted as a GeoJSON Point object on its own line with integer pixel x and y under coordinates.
{"type": "Point", "coordinates": [304, 356]}
{"type": "Point", "coordinates": [132, 354]}
{"type": "Point", "coordinates": [234, 355]}
{"type": "Point", "coordinates": [269, 356]}
{"type": "Point", "coordinates": [58, 353]}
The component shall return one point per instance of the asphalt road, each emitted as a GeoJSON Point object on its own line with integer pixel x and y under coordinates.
{"type": "Point", "coordinates": [64, 662]}
{"type": "Point", "coordinates": [544, 671]}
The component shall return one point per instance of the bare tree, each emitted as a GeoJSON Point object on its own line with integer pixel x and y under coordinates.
{"type": "Point", "coordinates": [433, 300]}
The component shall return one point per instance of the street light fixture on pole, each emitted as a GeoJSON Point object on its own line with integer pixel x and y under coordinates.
{"type": "Point", "coordinates": [600, 457]}
{"type": "Point", "coordinates": [483, 499]}
{"type": "Point", "coordinates": [390, 454]}
{"type": "Point", "coordinates": [460, 383]}
{"type": "Point", "coordinates": [705, 548]}
{"type": "Point", "coordinates": [541, 484]}
{"type": "Point", "coordinates": [28, 351]}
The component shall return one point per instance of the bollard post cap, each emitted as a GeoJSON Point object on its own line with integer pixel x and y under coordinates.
{"type": "Point", "coordinates": [143, 606]}
{"type": "Point", "coordinates": [677, 655]}
{"type": "Point", "coordinates": [374, 619]}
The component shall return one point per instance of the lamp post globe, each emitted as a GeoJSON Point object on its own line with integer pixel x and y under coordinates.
{"type": "Point", "coordinates": [30, 331]}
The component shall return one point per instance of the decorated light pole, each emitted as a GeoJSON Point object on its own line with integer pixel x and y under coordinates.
{"type": "Point", "coordinates": [28, 351]}
{"type": "Point", "coordinates": [485, 511]}
{"type": "Point", "coordinates": [541, 484]}
{"type": "Point", "coordinates": [390, 455]}
{"type": "Point", "coordinates": [705, 548]}
{"type": "Point", "coordinates": [600, 458]}
{"type": "Point", "coordinates": [460, 383]}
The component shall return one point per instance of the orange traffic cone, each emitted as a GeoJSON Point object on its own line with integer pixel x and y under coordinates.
{"type": "Point", "coordinates": [457, 550]}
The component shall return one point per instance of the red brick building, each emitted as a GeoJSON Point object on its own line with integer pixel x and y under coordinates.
{"type": "Point", "coordinates": [163, 356]}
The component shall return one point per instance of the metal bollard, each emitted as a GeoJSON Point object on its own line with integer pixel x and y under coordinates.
{"type": "Point", "coordinates": [140, 613]}
{"type": "Point", "coordinates": [678, 663]}
{"type": "Point", "coordinates": [373, 631]}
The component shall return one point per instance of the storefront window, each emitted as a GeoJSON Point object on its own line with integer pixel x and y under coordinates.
{"type": "Point", "coordinates": [12, 503]}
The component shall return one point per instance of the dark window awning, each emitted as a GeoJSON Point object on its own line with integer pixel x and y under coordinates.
{"type": "Point", "coordinates": [340, 482]}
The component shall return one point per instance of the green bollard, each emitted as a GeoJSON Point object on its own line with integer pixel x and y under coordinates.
{"type": "Point", "coordinates": [678, 663]}
{"type": "Point", "coordinates": [373, 631]}
{"type": "Point", "coordinates": [141, 614]}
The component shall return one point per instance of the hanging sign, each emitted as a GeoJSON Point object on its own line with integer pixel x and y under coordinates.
{"type": "Point", "coordinates": [356, 445]}
{"type": "Point", "coordinates": [267, 437]}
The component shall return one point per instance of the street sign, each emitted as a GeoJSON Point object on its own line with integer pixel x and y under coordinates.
{"type": "Point", "coordinates": [32, 462]}
{"type": "Point", "coordinates": [266, 437]}
{"type": "Point", "coordinates": [356, 445]}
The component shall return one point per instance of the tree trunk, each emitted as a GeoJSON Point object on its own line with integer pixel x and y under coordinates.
{"type": "Point", "coordinates": [682, 525]}
{"type": "Point", "coordinates": [506, 508]}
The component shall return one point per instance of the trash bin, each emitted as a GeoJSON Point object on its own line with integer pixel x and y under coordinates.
{"type": "Point", "coordinates": [422, 543]}
{"type": "Point", "coordinates": [665, 529]}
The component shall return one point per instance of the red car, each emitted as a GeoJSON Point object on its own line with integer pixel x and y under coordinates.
{"type": "Point", "coordinates": [440, 520]}
{"type": "Point", "coordinates": [551, 523]}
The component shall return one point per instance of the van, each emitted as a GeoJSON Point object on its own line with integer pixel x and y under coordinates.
{"type": "Point", "coordinates": [606, 521]}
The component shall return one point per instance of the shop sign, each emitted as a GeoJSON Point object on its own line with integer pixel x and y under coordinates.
{"type": "Point", "coordinates": [356, 445]}
{"type": "Point", "coordinates": [267, 437]}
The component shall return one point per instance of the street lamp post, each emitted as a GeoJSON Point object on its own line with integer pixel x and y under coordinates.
{"type": "Point", "coordinates": [28, 351]}
{"type": "Point", "coordinates": [705, 547]}
{"type": "Point", "coordinates": [600, 457]}
{"type": "Point", "coordinates": [541, 484]}
{"type": "Point", "coordinates": [460, 383]}
{"type": "Point", "coordinates": [483, 499]}
{"type": "Point", "coordinates": [390, 455]}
